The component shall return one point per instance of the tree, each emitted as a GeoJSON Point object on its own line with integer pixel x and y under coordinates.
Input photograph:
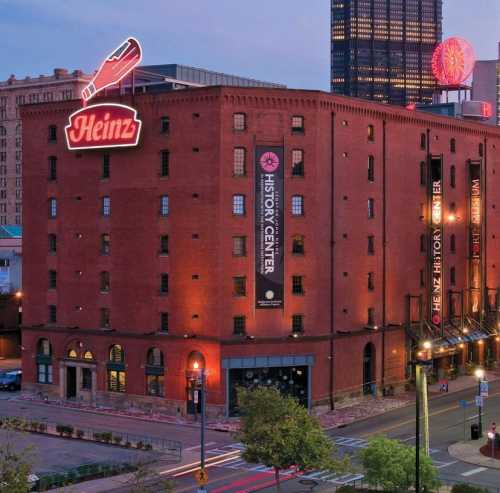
{"type": "Point", "coordinates": [278, 432]}
{"type": "Point", "coordinates": [146, 480]}
{"type": "Point", "coordinates": [15, 463]}
{"type": "Point", "coordinates": [389, 464]}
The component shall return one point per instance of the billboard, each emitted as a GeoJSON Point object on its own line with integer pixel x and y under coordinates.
{"type": "Point", "coordinates": [269, 226]}
{"type": "Point", "coordinates": [436, 251]}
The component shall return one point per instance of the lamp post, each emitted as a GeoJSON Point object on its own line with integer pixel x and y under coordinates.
{"type": "Point", "coordinates": [196, 367]}
{"type": "Point", "coordinates": [480, 376]}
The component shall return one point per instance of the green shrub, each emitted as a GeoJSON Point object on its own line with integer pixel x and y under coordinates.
{"type": "Point", "coordinates": [42, 427]}
{"type": "Point", "coordinates": [98, 437]}
{"type": "Point", "coordinates": [34, 426]}
{"type": "Point", "coordinates": [128, 444]}
{"type": "Point", "coordinates": [139, 445]}
{"type": "Point", "coordinates": [148, 446]}
{"type": "Point", "coordinates": [467, 488]}
{"type": "Point", "coordinates": [80, 434]}
{"type": "Point", "coordinates": [107, 436]}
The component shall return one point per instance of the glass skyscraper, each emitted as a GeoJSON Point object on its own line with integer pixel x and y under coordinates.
{"type": "Point", "coordinates": [382, 49]}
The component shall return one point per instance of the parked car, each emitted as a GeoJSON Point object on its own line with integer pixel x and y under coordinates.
{"type": "Point", "coordinates": [11, 380]}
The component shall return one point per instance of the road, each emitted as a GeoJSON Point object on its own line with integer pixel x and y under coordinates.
{"type": "Point", "coordinates": [228, 473]}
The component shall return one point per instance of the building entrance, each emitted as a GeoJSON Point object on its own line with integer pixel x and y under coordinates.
{"type": "Point", "coordinates": [291, 380]}
{"type": "Point", "coordinates": [71, 382]}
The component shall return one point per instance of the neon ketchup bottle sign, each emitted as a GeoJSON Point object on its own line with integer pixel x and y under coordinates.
{"type": "Point", "coordinates": [107, 125]}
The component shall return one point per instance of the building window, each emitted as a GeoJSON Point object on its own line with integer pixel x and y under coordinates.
{"type": "Point", "coordinates": [453, 177]}
{"type": "Point", "coordinates": [371, 208]}
{"type": "Point", "coordinates": [423, 142]}
{"type": "Point", "coordinates": [164, 125]}
{"type": "Point", "coordinates": [105, 244]}
{"type": "Point", "coordinates": [422, 278]}
{"type": "Point", "coordinates": [155, 357]}
{"type": "Point", "coordinates": [164, 205]}
{"type": "Point", "coordinates": [164, 245]}
{"type": "Point", "coordinates": [106, 206]}
{"type": "Point", "coordinates": [297, 205]}
{"type": "Point", "coordinates": [297, 162]}
{"type": "Point", "coordinates": [164, 163]}
{"type": "Point", "coordinates": [88, 355]}
{"type": "Point", "coordinates": [297, 323]}
{"type": "Point", "coordinates": [239, 121]}
{"type": "Point", "coordinates": [163, 283]}
{"type": "Point", "coordinates": [453, 246]}
{"type": "Point", "coordinates": [298, 245]}
{"type": "Point", "coordinates": [52, 133]}
{"type": "Point", "coordinates": [52, 208]}
{"type": "Point", "coordinates": [297, 285]}
{"type": "Point", "coordinates": [52, 168]}
{"type": "Point", "coordinates": [371, 281]}
{"type": "Point", "coordinates": [44, 361]}
{"type": "Point", "coordinates": [371, 317]}
{"type": "Point", "coordinates": [239, 205]}
{"type": "Point", "coordinates": [116, 381]}
{"type": "Point", "coordinates": [52, 314]}
{"type": "Point", "coordinates": [106, 166]}
{"type": "Point", "coordinates": [239, 161]}
{"type": "Point", "coordinates": [453, 278]}
{"type": "Point", "coordinates": [481, 150]}
{"type": "Point", "coordinates": [298, 124]}
{"type": "Point", "coordinates": [371, 245]}
{"type": "Point", "coordinates": [371, 133]}
{"type": "Point", "coordinates": [164, 322]}
{"type": "Point", "coordinates": [104, 281]}
{"type": "Point", "coordinates": [116, 354]}
{"type": "Point", "coordinates": [423, 242]}
{"type": "Point", "coordinates": [52, 279]}
{"type": "Point", "coordinates": [239, 246]}
{"type": "Point", "coordinates": [239, 325]}
{"type": "Point", "coordinates": [155, 385]}
{"type": "Point", "coordinates": [371, 168]}
{"type": "Point", "coordinates": [155, 382]}
{"type": "Point", "coordinates": [86, 379]}
{"type": "Point", "coordinates": [52, 243]}
{"type": "Point", "coordinates": [453, 146]}
{"type": "Point", "coordinates": [239, 286]}
{"type": "Point", "coordinates": [104, 318]}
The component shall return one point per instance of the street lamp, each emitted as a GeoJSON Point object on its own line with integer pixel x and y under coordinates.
{"type": "Point", "coordinates": [480, 376]}
{"type": "Point", "coordinates": [201, 368]}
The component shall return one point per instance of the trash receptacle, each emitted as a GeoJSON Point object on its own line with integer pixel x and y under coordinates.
{"type": "Point", "coordinates": [474, 431]}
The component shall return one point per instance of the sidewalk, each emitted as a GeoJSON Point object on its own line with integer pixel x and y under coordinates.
{"type": "Point", "coordinates": [469, 452]}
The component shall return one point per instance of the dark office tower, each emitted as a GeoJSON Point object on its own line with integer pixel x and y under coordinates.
{"type": "Point", "coordinates": [382, 49]}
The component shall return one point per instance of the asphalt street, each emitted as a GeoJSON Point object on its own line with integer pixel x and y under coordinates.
{"type": "Point", "coordinates": [228, 473]}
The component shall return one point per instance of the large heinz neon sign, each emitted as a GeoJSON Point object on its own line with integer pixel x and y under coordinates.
{"type": "Point", "coordinates": [107, 125]}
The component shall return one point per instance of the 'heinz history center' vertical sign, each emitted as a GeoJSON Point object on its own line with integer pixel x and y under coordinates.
{"type": "Point", "coordinates": [436, 224]}
{"type": "Point", "coordinates": [269, 223]}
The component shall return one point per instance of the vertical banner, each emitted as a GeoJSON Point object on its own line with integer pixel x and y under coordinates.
{"type": "Point", "coordinates": [269, 225]}
{"type": "Point", "coordinates": [436, 251]}
{"type": "Point", "coordinates": [475, 239]}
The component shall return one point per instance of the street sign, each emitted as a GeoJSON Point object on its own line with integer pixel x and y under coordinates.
{"type": "Point", "coordinates": [463, 403]}
{"type": "Point", "coordinates": [201, 476]}
{"type": "Point", "coordinates": [479, 401]}
{"type": "Point", "coordinates": [484, 387]}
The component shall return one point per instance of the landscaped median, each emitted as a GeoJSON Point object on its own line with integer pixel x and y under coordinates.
{"type": "Point", "coordinates": [172, 448]}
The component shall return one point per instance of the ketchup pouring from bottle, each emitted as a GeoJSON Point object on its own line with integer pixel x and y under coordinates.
{"type": "Point", "coordinates": [115, 67]}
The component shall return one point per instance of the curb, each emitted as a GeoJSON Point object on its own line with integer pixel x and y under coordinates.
{"type": "Point", "coordinates": [474, 457]}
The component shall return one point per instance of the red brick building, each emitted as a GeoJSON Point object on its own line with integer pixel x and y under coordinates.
{"type": "Point", "coordinates": [139, 261]}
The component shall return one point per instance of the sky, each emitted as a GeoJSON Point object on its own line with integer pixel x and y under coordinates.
{"type": "Point", "coordinates": [283, 41]}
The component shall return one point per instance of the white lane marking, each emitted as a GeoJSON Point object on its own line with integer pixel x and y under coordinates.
{"type": "Point", "coordinates": [313, 475]}
{"type": "Point", "coordinates": [409, 439]}
{"type": "Point", "coordinates": [474, 471]}
{"type": "Point", "coordinates": [444, 464]}
{"type": "Point", "coordinates": [199, 446]}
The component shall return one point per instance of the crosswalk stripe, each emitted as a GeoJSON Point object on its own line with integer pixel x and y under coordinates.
{"type": "Point", "coordinates": [313, 475]}
{"type": "Point", "coordinates": [474, 471]}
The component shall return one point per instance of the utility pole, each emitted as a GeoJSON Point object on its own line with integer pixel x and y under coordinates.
{"type": "Point", "coordinates": [418, 375]}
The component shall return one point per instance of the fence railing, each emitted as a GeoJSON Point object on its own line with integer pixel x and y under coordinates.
{"type": "Point", "coordinates": [171, 448]}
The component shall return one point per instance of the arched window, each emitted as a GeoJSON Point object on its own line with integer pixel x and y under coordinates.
{"type": "Point", "coordinates": [72, 354]}
{"type": "Point", "coordinates": [117, 376]}
{"type": "Point", "coordinates": [369, 378]}
{"type": "Point", "coordinates": [481, 149]}
{"type": "Point", "coordinates": [3, 131]}
{"type": "Point", "coordinates": [44, 361]}
{"type": "Point", "coordinates": [423, 142]}
{"type": "Point", "coordinates": [453, 145]}
{"type": "Point", "coordinates": [88, 355]}
{"type": "Point", "coordinates": [155, 357]}
{"type": "Point", "coordinates": [155, 384]}
{"type": "Point", "coordinates": [116, 354]}
{"type": "Point", "coordinates": [371, 133]}
{"type": "Point", "coordinates": [453, 246]}
{"type": "Point", "coordinates": [371, 168]}
{"type": "Point", "coordinates": [453, 173]}
{"type": "Point", "coordinates": [298, 244]}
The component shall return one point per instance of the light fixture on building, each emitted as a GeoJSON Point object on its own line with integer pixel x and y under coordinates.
{"type": "Point", "coordinates": [441, 349]}
{"type": "Point", "coordinates": [480, 342]}
{"type": "Point", "coordinates": [427, 345]}
{"type": "Point", "coordinates": [461, 345]}
{"type": "Point", "coordinates": [19, 294]}
{"type": "Point", "coordinates": [479, 373]}
{"type": "Point", "coordinates": [465, 330]}
{"type": "Point", "coordinates": [497, 338]}
{"type": "Point", "coordinates": [250, 337]}
{"type": "Point", "coordinates": [294, 335]}
{"type": "Point", "coordinates": [452, 217]}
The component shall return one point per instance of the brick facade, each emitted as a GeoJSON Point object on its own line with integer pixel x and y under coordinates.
{"type": "Point", "coordinates": [339, 134]}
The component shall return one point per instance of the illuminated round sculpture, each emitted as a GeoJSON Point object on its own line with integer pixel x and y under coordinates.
{"type": "Point", "coordinates": [453, 62]}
